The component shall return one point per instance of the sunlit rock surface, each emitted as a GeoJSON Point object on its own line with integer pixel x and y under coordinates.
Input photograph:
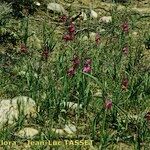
{"type": "Point", "coordinates": [27, 133]}
{"type": "Point", "coordinates": [10, 108]}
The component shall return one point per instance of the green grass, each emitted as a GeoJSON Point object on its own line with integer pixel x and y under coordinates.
{"type": "Point", "coordinates": [124, 126]}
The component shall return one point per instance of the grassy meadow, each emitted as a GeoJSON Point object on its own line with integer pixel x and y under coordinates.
{"type": "Point", "coordinates": [89, 71]}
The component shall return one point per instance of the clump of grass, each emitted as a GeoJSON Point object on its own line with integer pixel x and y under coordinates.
{"type": "Point", "coordinates": [5, 10]}
{"type": "Point", "coordinates": [147, 42]}
{"type": "Point", "coordinates": [69, 69]}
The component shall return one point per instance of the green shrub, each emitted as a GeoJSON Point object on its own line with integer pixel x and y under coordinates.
{"type": "Point", "coordinates": [5, 10]}
{"type": "Point", "coordinates": [6, 34]}
{"type": "Point", "coordinates": [22, 8]}
{"type": "Point", "coordinates": [147, 42]}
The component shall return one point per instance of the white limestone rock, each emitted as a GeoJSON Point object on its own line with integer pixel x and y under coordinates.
{"type": "Point", "coordinates": [37, 3]}
{"type": "Point", "coordinates": [92, 36]}
{"type": "Point", "coordinates": [70, 129]}
{"type": "Point", "coordinates": [85, 38]}
{"type": "Point", "coordinates": [98, 93]}
{"type": "Point", "coordinates": [27, 133]}
{"type": "Point", "coordinates": [27, 104]}
{"type": "Point", "coordinates": [83, 16]}
{"type": "Point", "coordinates": [106, 19]}
{"type": "Point", "coordinates": [56, 8]}
{"type": "Point", "coordinates": [9, 110]}
{"type": "Point", "coordinates": [72, 105]}
{"type": "Point", "coordinates": [58, 131]}
{"type": "Point", "coordinates": [93, 14]}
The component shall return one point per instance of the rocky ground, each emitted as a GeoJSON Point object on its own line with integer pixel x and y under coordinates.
{"type": "Point", "coordinates": [22, 105]}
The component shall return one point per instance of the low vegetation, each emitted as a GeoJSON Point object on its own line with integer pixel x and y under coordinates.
{"type": "Point", "coordinates": [86, 68]}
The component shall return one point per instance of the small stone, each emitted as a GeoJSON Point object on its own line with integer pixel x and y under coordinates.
{"type": "Point", "coordinates": [27, 133]}
{"type": "Point", "coordinates": [143, 10]}
{"type": "Point", "coordinates": [56, 8]}
{"type": "Point", "coordinates": [102, 31]}
{"type": "Point", "coordinates": [72, 105]}
{"type": "Point", "coordinates": [37, 3]}
{"type": "Point", "coordinates": [98, 93]}
{"type": "Point", "coordinates": [85, 38]}
{"type": "Point", "coordinates": [7, 112]}
{"type": "Point", "coordinates": [106, 19]}
{"type": "Point", "coordinates": [92, 36]}
{"type": "Point", "coordinates": [26, 104]}
{"type": "Point", "coordinates": [83, 16]}
{"type": "Point", "coordinates": [135, 33]}
{"type": "Point", "coordinates": [58, 131]}
{"type": "Point", "coordinates": [9, 109]}
{"type": "Point", "coordinates": [70, 129]}
{"type": "Point", "coordinates": [93, 14]}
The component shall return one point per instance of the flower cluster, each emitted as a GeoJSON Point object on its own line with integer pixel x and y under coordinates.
{"type": "Point", "coordinates": [75, 64]}
{"type": "Point", "coordinates": [71, 72]}
{"type": "Point", "coordinates": [97, 38]}
{"type": "Point", "coordinates": [68, 37]}
{"type": "Point", "coordinates": [87, 66]}
{"type": "Point", "coordinates": [108, 104]}
{"type": "Point", "coordinates": [125, 27]}
{"type": "Point", "coordinates": [63, 18]}
{"type": "Point", "coordinates": [71, 33]}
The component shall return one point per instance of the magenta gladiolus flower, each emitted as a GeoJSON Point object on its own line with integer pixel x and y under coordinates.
{"type": "Point", "coordinates": [71, 33]}
{"type": "Point", "coordinates": [87, 69]}
{"type": "Point", "coordinates": [108, 104]}
{"type": "Point", "coordinates": [68, 37]}
{"type": "Point", "coordinates": [97, 38]}
{"type": "Point", "coordinates": [71, 72]}
{"type": "Point", "coordinates": [87, 66]}
{"type": "Point", "coordinates": [63, 18]}
{"type": "Point", "coordinates": [71, 28]}
{"type": "Point", "coordinates": [76, 62]}
{"type": "Point", "coordinates": [88, 62]}
{"type": "Point", "coordinates": [125, 27]}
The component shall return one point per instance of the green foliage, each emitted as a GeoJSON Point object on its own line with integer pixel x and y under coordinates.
{"type": "Point", "coordinates": [22, 8]}
{"type": "Point", "coordinates": [5, 10]}
{"type": "Point", "coordinates": [147, 42]}
{"type": "Point", "coordinates": [5, 33]}
{"type": "Point", "coordinates": [116, 75]}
